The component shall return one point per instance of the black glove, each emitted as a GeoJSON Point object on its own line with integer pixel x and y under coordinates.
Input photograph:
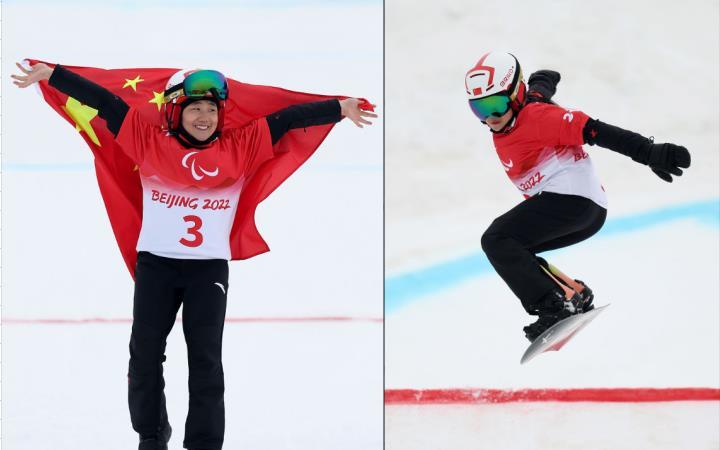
{"type": "Point", "coordinates": [667, 159]}
{"type": "Point", "coordinates": [542, 85]}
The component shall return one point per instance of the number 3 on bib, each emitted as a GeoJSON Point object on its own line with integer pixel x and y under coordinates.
{"type": "Point", "coordinates": [194, 231]}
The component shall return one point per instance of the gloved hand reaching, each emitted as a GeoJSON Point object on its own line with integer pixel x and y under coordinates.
{"type": "Point", "coordinates": [667, 160]}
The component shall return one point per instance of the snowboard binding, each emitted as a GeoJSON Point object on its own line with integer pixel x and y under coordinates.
{"type": "Point", "coordinates": [555, 307]}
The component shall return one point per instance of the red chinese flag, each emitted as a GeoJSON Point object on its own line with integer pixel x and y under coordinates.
{"type": "Point", "coordinates": [117, 175]}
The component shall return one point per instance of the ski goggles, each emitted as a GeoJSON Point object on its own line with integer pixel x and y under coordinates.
{"type": "Point", "coordinates": [495, 105]}
{"type": "Point", "coordinates": [199, 84]}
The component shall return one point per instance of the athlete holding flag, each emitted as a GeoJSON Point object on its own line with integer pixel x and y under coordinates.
{"type": "Point", "coordinates": [193, 171]}
{"type": "Point", "coordinates": [540, 145]}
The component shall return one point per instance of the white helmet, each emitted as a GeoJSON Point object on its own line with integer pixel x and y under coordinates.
{"type": "Point", "coordinates": [496, 73]}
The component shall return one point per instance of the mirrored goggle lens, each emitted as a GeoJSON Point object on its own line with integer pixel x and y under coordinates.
{"type": "Point", "coordinates": [200, 83]}
{"type": "Point", "coordinates": [497, 105]}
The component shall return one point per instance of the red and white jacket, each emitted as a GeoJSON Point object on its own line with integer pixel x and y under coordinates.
{"type": "Point", "coordinates": [543, 153]}
{"type": "Point", "coordinates": [190, 196]}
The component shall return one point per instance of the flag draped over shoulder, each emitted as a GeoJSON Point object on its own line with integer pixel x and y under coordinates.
{"type": "Point", "coordinates": [118, 176]}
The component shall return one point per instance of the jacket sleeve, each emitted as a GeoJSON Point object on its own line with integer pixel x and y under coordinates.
{"type": "Point", "coordinates": [617, 139]}
{"type": "Point", "coordinates": [110, 107]}
{"type": "Point", "coordinates": [302, 116]}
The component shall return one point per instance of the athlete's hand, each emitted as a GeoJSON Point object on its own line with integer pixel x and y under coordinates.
{"type": "Point", "coordinates": [350, 108]}
{"type": "Point", "coordinates": [667, 159]}
{"type": "Point", "coordinates": [38, 72]}
{"type": "Point", "coordinates": [542, 85]}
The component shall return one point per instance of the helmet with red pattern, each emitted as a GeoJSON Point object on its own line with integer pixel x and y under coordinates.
{"type": "Point", "coordinates": [495, 85]}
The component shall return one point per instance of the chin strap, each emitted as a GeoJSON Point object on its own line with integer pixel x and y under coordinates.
{"type": "Point", "coordinates": [187, 140]}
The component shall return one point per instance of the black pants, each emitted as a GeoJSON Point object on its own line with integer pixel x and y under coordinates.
{"type": "Point", "coordinates": [161, 285]}
{"type": "Point", "coordinates": [544, 222]}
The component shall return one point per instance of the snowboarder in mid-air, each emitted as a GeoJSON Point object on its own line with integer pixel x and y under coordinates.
{"type": "Point", "coordinates": [540, 146]}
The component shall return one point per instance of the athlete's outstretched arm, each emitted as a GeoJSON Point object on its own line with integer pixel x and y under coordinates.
{"type": "Point", "coordinates": [110, 107]}
{"type": "Point", "coordinates": [664, 159]}
{"type": "Point", "coordinates": [316, 113]}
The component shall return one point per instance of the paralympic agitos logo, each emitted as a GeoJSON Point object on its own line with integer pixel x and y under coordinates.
{"type": "Point", "coordinates": [197, 171]}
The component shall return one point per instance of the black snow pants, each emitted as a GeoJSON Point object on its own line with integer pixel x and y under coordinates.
{"type": "Point", "coordinates": [546, 221]}
{"type": "Point", "coordinates": [161, 285]}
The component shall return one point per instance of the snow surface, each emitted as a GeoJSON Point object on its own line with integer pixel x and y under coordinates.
{"type": "Point", "coordinates": [289, 385]}
{"type": "Point", "coordinates": [562, 426]}
{"type": "Point", "coordinates": [653, 334]}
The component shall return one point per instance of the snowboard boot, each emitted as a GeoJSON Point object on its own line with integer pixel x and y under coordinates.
{"type": "Point", "coordinates": [587, 297]}
{"type": "Point", "coordinates": [158, 441]}
{"type": "Point", "coordinates": [551, 309]}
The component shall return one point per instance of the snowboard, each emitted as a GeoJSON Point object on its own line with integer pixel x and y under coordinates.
{"type": "Point", "coordinates": [555, 337]}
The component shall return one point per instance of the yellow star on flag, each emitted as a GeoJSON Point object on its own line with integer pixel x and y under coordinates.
{"type": "Point", "coordinates": [158, 99]}
{"type": "Point", "coordinates": [82, 115]}
{"type": "Point", "coordinates": [132, 83]}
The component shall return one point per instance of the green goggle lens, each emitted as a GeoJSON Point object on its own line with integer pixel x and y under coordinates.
{"type": "Point", "coordinates": [495, 105]}
{"type": "Point", "coordinates": [204, 82]}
